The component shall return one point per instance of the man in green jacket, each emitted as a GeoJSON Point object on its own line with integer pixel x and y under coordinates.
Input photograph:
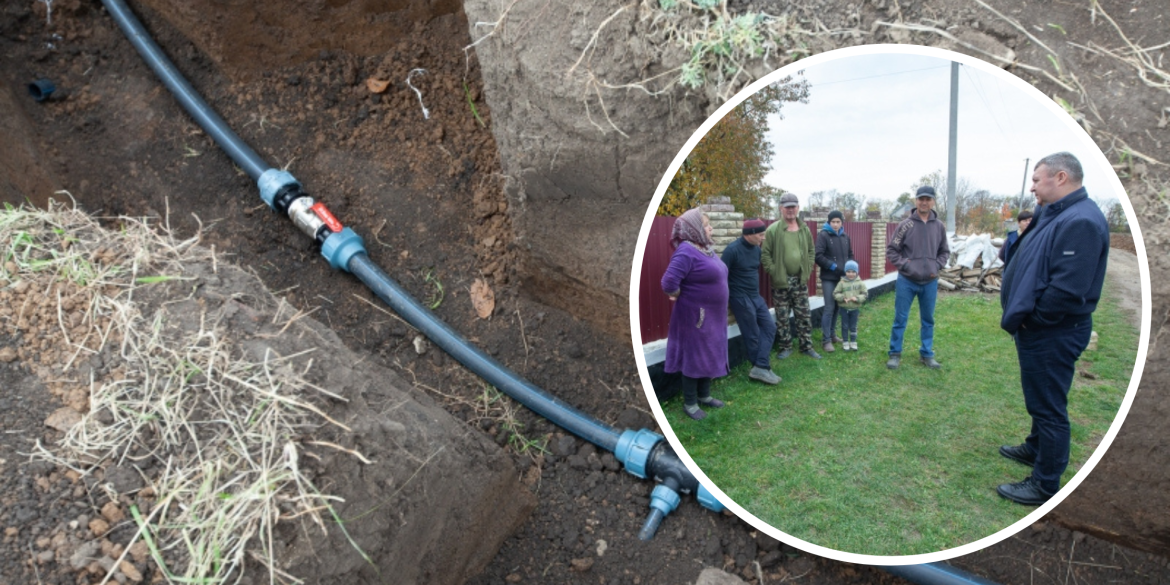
{"type": "Point", "coordinates": [787, 256]}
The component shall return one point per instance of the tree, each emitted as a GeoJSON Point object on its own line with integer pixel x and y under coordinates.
{"type": "Point", "coordinates": [732, 159]}
{"type": "Point", "coordinates": [982, 213]}
{"type": "Point", "coordinates": [847, 202]}
{"type": "Point", "coordinates": [817, 199]}
{"type": "Point", "coordinates": [1114, 215]}
{"type": "Point", "coordinates": [771, 202]}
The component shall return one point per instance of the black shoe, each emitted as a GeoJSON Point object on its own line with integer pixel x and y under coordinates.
{"type": "Point", "coordinates": [784, 353]}
{"type": "Point", "coordinates": [1026, 492]}
{"type": "Point", "coordinates": [930, 363]}
{"type": "Point", "coordinates": [1020, 453]}
{"type": "Point", "coordinates": [894, 362]}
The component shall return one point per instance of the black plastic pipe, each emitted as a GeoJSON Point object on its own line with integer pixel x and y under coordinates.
{"type": "Point", "coordinates": [237, 149]}
{"type": "Point", "coordinates": [936, 574]}
{"type": "Point", "coordinates": [496, 374]}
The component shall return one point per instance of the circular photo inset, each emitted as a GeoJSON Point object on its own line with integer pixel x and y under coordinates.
{"type": "Point", "coordinates": [876, 306]}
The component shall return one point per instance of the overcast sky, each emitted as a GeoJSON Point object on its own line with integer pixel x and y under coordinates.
{"type": "Point", "coordinates": [874, 124]}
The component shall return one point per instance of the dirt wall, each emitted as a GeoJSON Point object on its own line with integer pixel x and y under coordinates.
{"type": "Point", "coordinates": [246, 38]}
{"type": "Point", "coordinates": [21, 172]}
{"type": "Point", "coordinates": [579, 170]}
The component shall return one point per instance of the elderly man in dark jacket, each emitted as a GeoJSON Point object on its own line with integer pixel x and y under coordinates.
{"type": "Point", "coordinates": [756, 326]}
{"type": "Point", "coordinates": [919, 249]}
{"type": "Point", "coordinates": [1050, 288]}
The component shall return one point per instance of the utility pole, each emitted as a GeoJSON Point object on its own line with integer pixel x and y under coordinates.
{"type": "Point", "coordinates": [1024, 185]}
{"type": "Point", "coordinates": [951, 162]}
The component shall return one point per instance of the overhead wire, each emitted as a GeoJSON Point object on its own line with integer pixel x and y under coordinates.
{"type": "Point", "coordinates": [878, 75]}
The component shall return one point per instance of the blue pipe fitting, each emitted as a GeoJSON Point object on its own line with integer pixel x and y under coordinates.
{"type": "Point", "coordinates": [340, 247]}
{"type": "Point", "coordinates": [708, 499]}
{"type": "Point", "coordinates": [646, 455]}
{"type": "Point", "coordinates": [664, 499]}
{"type": "Point", "coordinates": [272, 181]}
{"type": "Point", "coordinates": [633, 450]}
{"type": "Point", "coordinates": [41, 89]}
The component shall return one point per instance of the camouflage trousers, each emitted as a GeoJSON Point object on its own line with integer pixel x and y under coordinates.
{"type": "Point", "coordinates": [792, 299]}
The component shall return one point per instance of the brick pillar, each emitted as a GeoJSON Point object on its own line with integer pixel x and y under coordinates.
{"type": "Point", "coordinates": [726, 222]}
{"type": "Point", "coordinates": [878, 250]}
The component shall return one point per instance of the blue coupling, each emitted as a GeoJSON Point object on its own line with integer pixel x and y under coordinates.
{"type": "Point", "coordinates": [633, 450]}
{"type": "Point", "coordinates": [272, 181]}
{"type": "Point", "coordinates": [340, 247]}
{"type": "Point", "coordinates": [664, 499]}
{"type": "Point", "coordinates": [708, 499]}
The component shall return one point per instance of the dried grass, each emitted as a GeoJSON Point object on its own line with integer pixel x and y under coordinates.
{"type": "Point", "coordinates": [225, 428]}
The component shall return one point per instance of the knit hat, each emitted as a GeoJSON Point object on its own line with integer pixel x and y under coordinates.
{"type": "Point", "coordinates": [836, 214]}
{"type": "Point", "coordinates": [925, 191]}
{"type": "Point", "coordinates": [752, 226]}
{"type": "Point", "coordinates": [789, 200]}
{"type": "Point", "coordinates": [850, 265]}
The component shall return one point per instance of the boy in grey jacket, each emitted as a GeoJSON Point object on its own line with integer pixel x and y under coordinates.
{"type": "Point", "coordinates": [850, 294]}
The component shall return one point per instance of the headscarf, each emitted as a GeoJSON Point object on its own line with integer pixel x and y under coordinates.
{"type": "Point", "coordinates": [689, 228]}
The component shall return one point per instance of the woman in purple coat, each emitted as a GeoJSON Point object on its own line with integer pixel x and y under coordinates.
{"type": "Point", "coordinates": [696, 343]}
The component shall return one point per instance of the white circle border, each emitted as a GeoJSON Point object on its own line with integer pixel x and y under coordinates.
{"type": "Point", "coordinates": [1035, 515]}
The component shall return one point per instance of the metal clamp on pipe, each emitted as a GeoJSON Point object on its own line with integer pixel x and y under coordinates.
{"type": "Point", "coordinates": [646, 454]}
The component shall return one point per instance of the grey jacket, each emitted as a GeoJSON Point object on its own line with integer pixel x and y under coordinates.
{"type": "Point", "coordinates": [919, 248]}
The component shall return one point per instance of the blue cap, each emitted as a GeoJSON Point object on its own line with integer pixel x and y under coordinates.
{"type": "Point", "coordinates": [850, 265]}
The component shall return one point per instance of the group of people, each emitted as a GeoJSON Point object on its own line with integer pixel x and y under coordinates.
{"type": "Point", "coordinates": [703, 286]}
{"type": "Point", "coordinates": [1053, 275]}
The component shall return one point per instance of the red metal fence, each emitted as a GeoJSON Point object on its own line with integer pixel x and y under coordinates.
{"type": "Point", "coordinates": [890, 229]}
{"type": "Point", "coordinates": [653, 304]}
{"type": "Point", "coordinates": [654, 307]}
{"type": "Point", "coordinates": [860, 237]}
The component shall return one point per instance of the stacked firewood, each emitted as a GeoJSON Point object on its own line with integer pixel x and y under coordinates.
{"type": "Point", "coordinates": [974, 279]}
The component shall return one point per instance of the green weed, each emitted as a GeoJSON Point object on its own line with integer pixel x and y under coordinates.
{"type": "Point", "coordinates": [471, 103]}
{"type": "Point", "coordinates": [436, 297]}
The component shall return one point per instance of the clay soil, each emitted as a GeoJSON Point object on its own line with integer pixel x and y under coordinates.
{"type": "Point", "coordinates": [426, 194]}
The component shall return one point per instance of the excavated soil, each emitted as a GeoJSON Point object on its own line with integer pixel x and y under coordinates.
{"type": "Point", "coordinates": [427, 194]}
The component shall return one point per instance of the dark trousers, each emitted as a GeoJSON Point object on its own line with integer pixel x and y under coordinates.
{"type": "Point", "coordinates": [849, 323]}
{"type": "Point", "coordinates": [695, 389]}
{"type": "Point", "coordinates": [1047, 364]}
{"type": "Point", "coordinates": [756, 327]}
{"type": "Point", "coordinates": [829, 312]}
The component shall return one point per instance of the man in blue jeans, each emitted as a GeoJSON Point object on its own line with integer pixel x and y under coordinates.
{"type": "Point", "coordinates": [1050, 288]}
{"type": "Point", "coordinates": [919, 249]}
{"type": "Point", "coordinates": [756, 326]}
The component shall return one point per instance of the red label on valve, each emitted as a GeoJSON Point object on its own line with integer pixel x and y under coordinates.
{"type": "Point", "coordinates": [327, 217]}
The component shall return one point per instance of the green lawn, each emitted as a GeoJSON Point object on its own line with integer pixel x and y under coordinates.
{"type": "Point", "coordinates": [851, 456]}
